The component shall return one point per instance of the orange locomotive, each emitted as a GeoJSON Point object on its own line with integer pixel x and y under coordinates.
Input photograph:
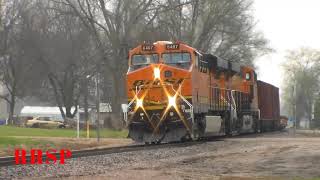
{"type": "Point", "coordinates": [176, 92]}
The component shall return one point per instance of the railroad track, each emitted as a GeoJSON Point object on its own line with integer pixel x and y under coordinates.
{"type": "Point", "coordinates": [10, 160]}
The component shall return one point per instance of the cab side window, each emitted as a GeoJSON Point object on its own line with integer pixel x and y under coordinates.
{"type": "Point", "coordinates": [197, 60]}
{"type": "Point", "coordinates": [248, 76]}
{"type": "Point", "coordinates": [201, 64]}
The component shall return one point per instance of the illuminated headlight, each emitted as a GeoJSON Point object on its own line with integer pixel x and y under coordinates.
{"type": "Point", "coordinates": [171, 113]}
{"type": "Point", "coordinates": [141, 114]}
{"type": "Point", "coordinates": [139, 103]}
{"type": "Point", "coordinates": [172, 101]}
{"type": "Point", "coordinates": [156, 72]}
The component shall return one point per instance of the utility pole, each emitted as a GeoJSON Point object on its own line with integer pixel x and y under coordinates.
{"type": "Point", "coordinates": [86, 112]}
{"type": "Point", "coordinates": [294, 106]}
{"type": "Point", "coordinates": [86, 104]}
{"type": "Point", "coordinates": [98, 106]}
{"type": "Point", "coordinates": [78, 122]}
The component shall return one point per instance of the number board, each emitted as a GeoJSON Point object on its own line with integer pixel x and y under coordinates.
{"type": "Point", "coordinates": [172, 46]}
{"type": "Point", "coordinates": [147, 47]}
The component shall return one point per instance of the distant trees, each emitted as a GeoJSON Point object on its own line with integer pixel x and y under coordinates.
{"type": "Point", "coordinates": [317, 108]}
{"type": "Point", "coordinates": [225, 28]}
{"type": "Point", "coordinates": [302, 82]}
{"type": "Point", "coordinates": [44, 54]}
{"type": "Point", "coordinates": [316, 120]}
{"type": "Point", "coordinates": [65, 51]}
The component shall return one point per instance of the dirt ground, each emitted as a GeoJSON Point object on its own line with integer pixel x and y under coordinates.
{"type": "Point", "coordinates": [270, 156]}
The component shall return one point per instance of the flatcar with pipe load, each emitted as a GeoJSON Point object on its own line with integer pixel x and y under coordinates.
{"type": "Point", "coordinates": [176, 92]}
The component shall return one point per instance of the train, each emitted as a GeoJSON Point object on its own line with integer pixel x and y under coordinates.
{"type": "Point", "coordinates": [176, 93]}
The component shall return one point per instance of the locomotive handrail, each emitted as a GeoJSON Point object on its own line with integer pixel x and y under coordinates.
{"type": "Point", "coordinates": [137, 92]}
{"type": "Point", "coordinates": [186, 101]}
{"type": "Point", "coordinates": [232, 98]}
{"type": "Point", "coordinates": [130, 103]}
{"type": "Point", "coordinates": [214, 87]}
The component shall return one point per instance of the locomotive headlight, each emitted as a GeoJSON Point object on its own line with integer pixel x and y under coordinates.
{"type": "Point", "coordinates": [172, 101]}
{"type": "Point", "coordinates": [139, 103]}
{"type": "Point", "coordinates": [156, 72]}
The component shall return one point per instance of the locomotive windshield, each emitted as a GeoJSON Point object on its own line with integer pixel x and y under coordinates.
{"type": "Point", "coordinates": [142, 60]}
{"type": "Point", "coordinates": [181, 60]}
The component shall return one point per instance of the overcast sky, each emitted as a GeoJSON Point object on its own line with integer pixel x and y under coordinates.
{"type": "Point", "coordinates": [288, 24]}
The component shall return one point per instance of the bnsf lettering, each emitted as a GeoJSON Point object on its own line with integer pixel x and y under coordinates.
{"type": "Point", "coordinates": [180, 81]}
{"type": "Point", "coordinates": [147, 82]}
{"type": "Point", "coordinates": [138, 83]}
{"type": "Point", "coordinates": [170, 81]}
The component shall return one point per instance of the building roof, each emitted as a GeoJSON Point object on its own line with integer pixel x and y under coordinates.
{"type": "Point", "coordinates": [42, 110]}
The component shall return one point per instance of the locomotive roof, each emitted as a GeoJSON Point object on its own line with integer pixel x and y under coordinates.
{"type": "Point", "coordinates": [222, 64]}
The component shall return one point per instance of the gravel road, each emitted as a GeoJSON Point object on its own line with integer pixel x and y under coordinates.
{"type": "Point", "coordinates": [269, 156]}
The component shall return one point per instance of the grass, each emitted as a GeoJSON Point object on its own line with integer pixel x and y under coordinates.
{"type": "Point", "coordinates": [9, 144]}
{"type": "Point", "coordinates": [18, 137]}
{"type": "Point", "coordinates": [6, 131]}
{"type": "Point", "coordinates": [12, 141]}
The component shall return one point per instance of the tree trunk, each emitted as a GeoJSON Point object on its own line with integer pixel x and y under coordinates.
{"type": "Point", "coordinates": [70, 114]}
{"type": "Point", "coordinates": [11, 110]}
{"type": "Point", "coordinates": [119, 92]}
{"type": "Point", "coordinates": [56, 94]}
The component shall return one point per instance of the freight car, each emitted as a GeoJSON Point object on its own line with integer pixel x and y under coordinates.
{"type": "Point", "coordinates": [268, 103]}
{"type": "Point", "coordinates": [176, 92]}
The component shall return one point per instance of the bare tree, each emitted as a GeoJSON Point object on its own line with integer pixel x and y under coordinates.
{"type": "Point", "coordinates": [225, 28]}
{"type": "Point", "coordinates": [67, 51]}
{"type": "Point", "coordinates": [16, 60]}
{"type": "Point", "coordinates": [317, 109]}
{"type": "Point", "coordinates": [301, 84]}
{"type": "Point", "coordinates": [112, 30]}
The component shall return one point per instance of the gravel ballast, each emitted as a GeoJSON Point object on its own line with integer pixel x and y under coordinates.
{"type": "Point", "coordinates": [274, 156]}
